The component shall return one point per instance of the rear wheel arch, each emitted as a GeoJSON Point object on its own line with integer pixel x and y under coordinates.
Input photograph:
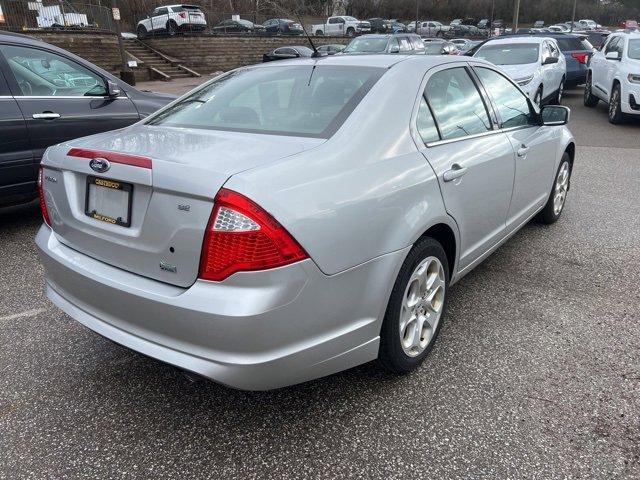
{"type": "Point", "coordinates": [445, 236]}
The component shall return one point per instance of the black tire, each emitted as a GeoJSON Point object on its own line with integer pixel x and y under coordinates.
{"type": "Point", "coordinates": [172, 27]}
{"type": "Point", "coordinates": [537, 99]}
{"type": "Point", "coordinates": [557, 100]}
{"type": "Point", "coordinates": [319, 33]}
{"type": "Point", "coordinates": [615, 110]}
{"type": "Point", "coordinates": [589, 99]}
{"type": "Point", "coordinates": [351, 32]}
{"type": "Point", "coordinates": [142, 32]}
{"type": "Point", "coordinates": [549, 214]}
{"type": "Point", "coordinates": [392, 355]}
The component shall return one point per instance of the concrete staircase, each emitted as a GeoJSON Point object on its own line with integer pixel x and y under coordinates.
{"type": "Point", "coordinates": [154, 65]}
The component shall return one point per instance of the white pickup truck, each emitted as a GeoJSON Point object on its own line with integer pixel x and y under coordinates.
{"type": "Point", "coordinates": [341, 25]}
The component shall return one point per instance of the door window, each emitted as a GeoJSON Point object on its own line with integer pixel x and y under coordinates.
{"type": "Point", "coordinates": [612, 45]}
{"type": "Point", "coordinates": [457, 104]}
{"type": "Point", "coordinates": [43, 73]}
{"type": "Point", "coordinates": [163, 11]}
{"type": "Point", "coordinates": [513, 108]}
{"type": "Point", "coordinates": [405, 45]}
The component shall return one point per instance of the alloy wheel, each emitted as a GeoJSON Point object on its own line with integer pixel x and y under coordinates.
{"type": "Point", "coordinates": [560, 188]}
{"type": "Point", "coordinates": [422, 306]}
{"type": "Point", "coordinates": [613, 104]}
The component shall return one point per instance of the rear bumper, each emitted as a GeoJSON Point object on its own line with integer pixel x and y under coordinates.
{"type": "Point", "coordinates": [254, 331]}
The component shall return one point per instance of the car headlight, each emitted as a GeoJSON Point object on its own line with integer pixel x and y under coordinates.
{"type": "Point", "coordinates": [524, 80]}
{"type": "Point", "coordinates": [634, 77]}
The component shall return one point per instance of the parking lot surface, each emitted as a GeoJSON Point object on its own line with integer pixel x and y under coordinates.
{"type": "Point", "coordinates": [536, 373]}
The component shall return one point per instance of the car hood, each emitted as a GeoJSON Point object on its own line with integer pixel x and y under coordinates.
{"type": "Point", "coordinates": [520, 71]}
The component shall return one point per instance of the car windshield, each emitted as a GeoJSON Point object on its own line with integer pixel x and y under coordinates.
{"type": "Point", "coordinates": [246, 23]}
{"type": "Point", "coordinates": [366, 45]}
{"type": "Point", "coordinates": [311, 101]}
{"type": "Point", "coordinates": [634, 49]}
{"type": "Point", "coordinates": [568, 44]}
{"type": "Point", "coordinates": [514, 54]}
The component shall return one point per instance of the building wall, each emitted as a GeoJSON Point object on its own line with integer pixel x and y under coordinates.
{"type": "Point", "coordinates": [206, 54]}
{"type": "Point", "coordinates": [98, 48]}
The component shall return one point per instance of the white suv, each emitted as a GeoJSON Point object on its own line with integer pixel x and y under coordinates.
{"type": "Point", "coordinates": [172, 19]}
{"type": "Point", "coordinates": [614, 76]}
{"type": "Point", "coordinates": [534, 63]}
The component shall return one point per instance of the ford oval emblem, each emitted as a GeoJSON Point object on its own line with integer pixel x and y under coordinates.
{"type": "Point", "coordinates": [99, 165]}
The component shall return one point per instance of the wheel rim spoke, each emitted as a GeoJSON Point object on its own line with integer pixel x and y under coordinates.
{"type": "Point", "coordinates": [422, 306]}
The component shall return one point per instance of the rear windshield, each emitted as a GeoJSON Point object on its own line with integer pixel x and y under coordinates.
{"type": "Point", "coordinates": [182, 8]}
{"type": "Point", "coordinates": [366, 45]}
{"type": "Point", "coordinates": [515, 54]}
{"type": "Point", "coordinates": [289, 100]}
{"type": "Point", "coordinates": [634, 49]}
{"type": "Point", "coordinates": [570, 44]}
{"type": "Point", "coordinates": [433, 48]}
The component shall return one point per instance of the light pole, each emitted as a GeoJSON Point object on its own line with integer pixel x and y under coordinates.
{"type": "Point", "coordinates": [516, 14]}
{"type": "Point", "coordinates": [573, 15]}
{"type": "Point", "coordinates": [493, 4]}
{"type": "Point", "coordinates": [417, 15]}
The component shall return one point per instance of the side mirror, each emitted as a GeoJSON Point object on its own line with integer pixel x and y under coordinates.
{"type": "Point", "coordinates": [554, 115]}
{"type": "Point", "coordinates": [394, 49]}
{"type": "Point", "coordinates": [550, 60]}
{"type": "Point", "coordinates": [113, 90]}
{"type": "Point", "coordinates": [612, 56]}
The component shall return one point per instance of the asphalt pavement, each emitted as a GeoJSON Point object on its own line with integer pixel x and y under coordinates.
{"type": "Point", "coordinates": [536, 373]}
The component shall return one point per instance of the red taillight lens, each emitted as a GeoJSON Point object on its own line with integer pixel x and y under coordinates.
{"type": "Point", "coordinates": [581, 57]}
{"type": "Point", "coordinates": [43, 204]}
{"type": "Point", "coordinates": [241, 236]}
{"type": "Point", "coordinates": [183, 14]}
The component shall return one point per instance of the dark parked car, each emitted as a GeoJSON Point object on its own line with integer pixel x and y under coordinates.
{"type": "Point", "coordinates": [380, 25]}
{"type": "Point", "coordinates": [331, 49]}
{"type": "Point", "coordinates": [283, 26]}
{"type": "Point", "coordinates": [597, 38]}
{"type": "Point", "coordinates": [397, 27]}
{"type": "Point", "coordinates": [405, 43]}
{"type": "Point", "coordinates": [48, 96]}
{"type": "Point", "coordinates": [285, 53]}
{"type": "Point", "coordinates": [440, 47]}
{"type": "Point", "coordinates": [238, 26]}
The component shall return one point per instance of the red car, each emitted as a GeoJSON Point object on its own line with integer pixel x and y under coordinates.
{"type": "Point", "coordinates": [628, 24]}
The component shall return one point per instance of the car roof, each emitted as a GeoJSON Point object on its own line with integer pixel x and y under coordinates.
{"type": "Point", "coordinates": [518, 39]}
{"type": "Point", "coordinates": [373, 60]}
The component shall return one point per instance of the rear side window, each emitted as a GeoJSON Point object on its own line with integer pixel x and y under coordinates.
{"type": "Point", "coordinates": [570, 44]}
{"type": "Point", "coordinates": [291, 100]}
{"type": "Point", "coordinates": [426, 125]}
{"type": "Point", "coordinates": [457, 104]}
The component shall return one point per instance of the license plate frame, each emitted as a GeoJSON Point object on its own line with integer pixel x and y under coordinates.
{"type": "Point", "coordinates": [115, 185]}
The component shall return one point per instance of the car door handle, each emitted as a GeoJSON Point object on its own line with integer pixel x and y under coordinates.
{"type": "Point", "coordinates": [456, 172]}
{"type": "Point", "coordinates": [45, 116]}
{"type": "Point", "coordinates": [522, 151]}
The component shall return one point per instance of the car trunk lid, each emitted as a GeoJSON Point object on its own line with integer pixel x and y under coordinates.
{"type": "Point", "coordinates": [173, 175]}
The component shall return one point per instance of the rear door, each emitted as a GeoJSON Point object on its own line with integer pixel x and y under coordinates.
{"type": "Point", "coordinates": [474, 161]}
{"type": "Point", "coordinates": [159, 18]}
{"type": "Point", "coordinates": [17, 168]}
{"type": "Point", "coordinates": [534, 146]}
{"type": "Point", "coordinates": [61, 99]}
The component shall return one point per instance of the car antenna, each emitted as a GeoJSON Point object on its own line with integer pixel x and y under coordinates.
{"type": "Point", "coordinates": [316, 53]}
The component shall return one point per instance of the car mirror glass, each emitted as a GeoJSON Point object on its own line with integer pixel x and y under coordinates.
{"type": "Point", "coordinates": [394, 49]}
{"type": "Point", "coordinates": [612, 56]}
{"type": "Point", "coordinates": [553, 115]}
{"type": "Point", "coordinates": [550, 60]}
{"type": "Point", "coordinates": [113, 90]}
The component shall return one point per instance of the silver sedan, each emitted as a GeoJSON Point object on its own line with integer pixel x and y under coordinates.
{"type": "Point", "coordinates": [287, 221]}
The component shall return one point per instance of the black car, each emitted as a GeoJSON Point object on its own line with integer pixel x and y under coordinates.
{"type": "Point", "coordinates": [284, 53]}
{"type": "Point", "coordinates": [48, 96]}
{"type": "Point", "coordinates": [283, 26]}
{"type": "Point", "coordinates": [380, 25]}
{"type": "Point", "coordinates": [238, 26]}
{"type": "Point", "coordinates": [331, 49]}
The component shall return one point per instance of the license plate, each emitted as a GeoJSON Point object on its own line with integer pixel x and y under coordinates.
{"type": "Point", "coordinates": [109, 201]}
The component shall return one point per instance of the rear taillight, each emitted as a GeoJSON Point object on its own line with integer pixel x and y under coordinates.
{"type": "Point", "coordinates": [183, 14]}
{"type": "Point", "coordinates": [43, 204]}
{"type": "Point", "coordinates": [242, 236]}
{"type": "Point", "coordinates": [581, 57]}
